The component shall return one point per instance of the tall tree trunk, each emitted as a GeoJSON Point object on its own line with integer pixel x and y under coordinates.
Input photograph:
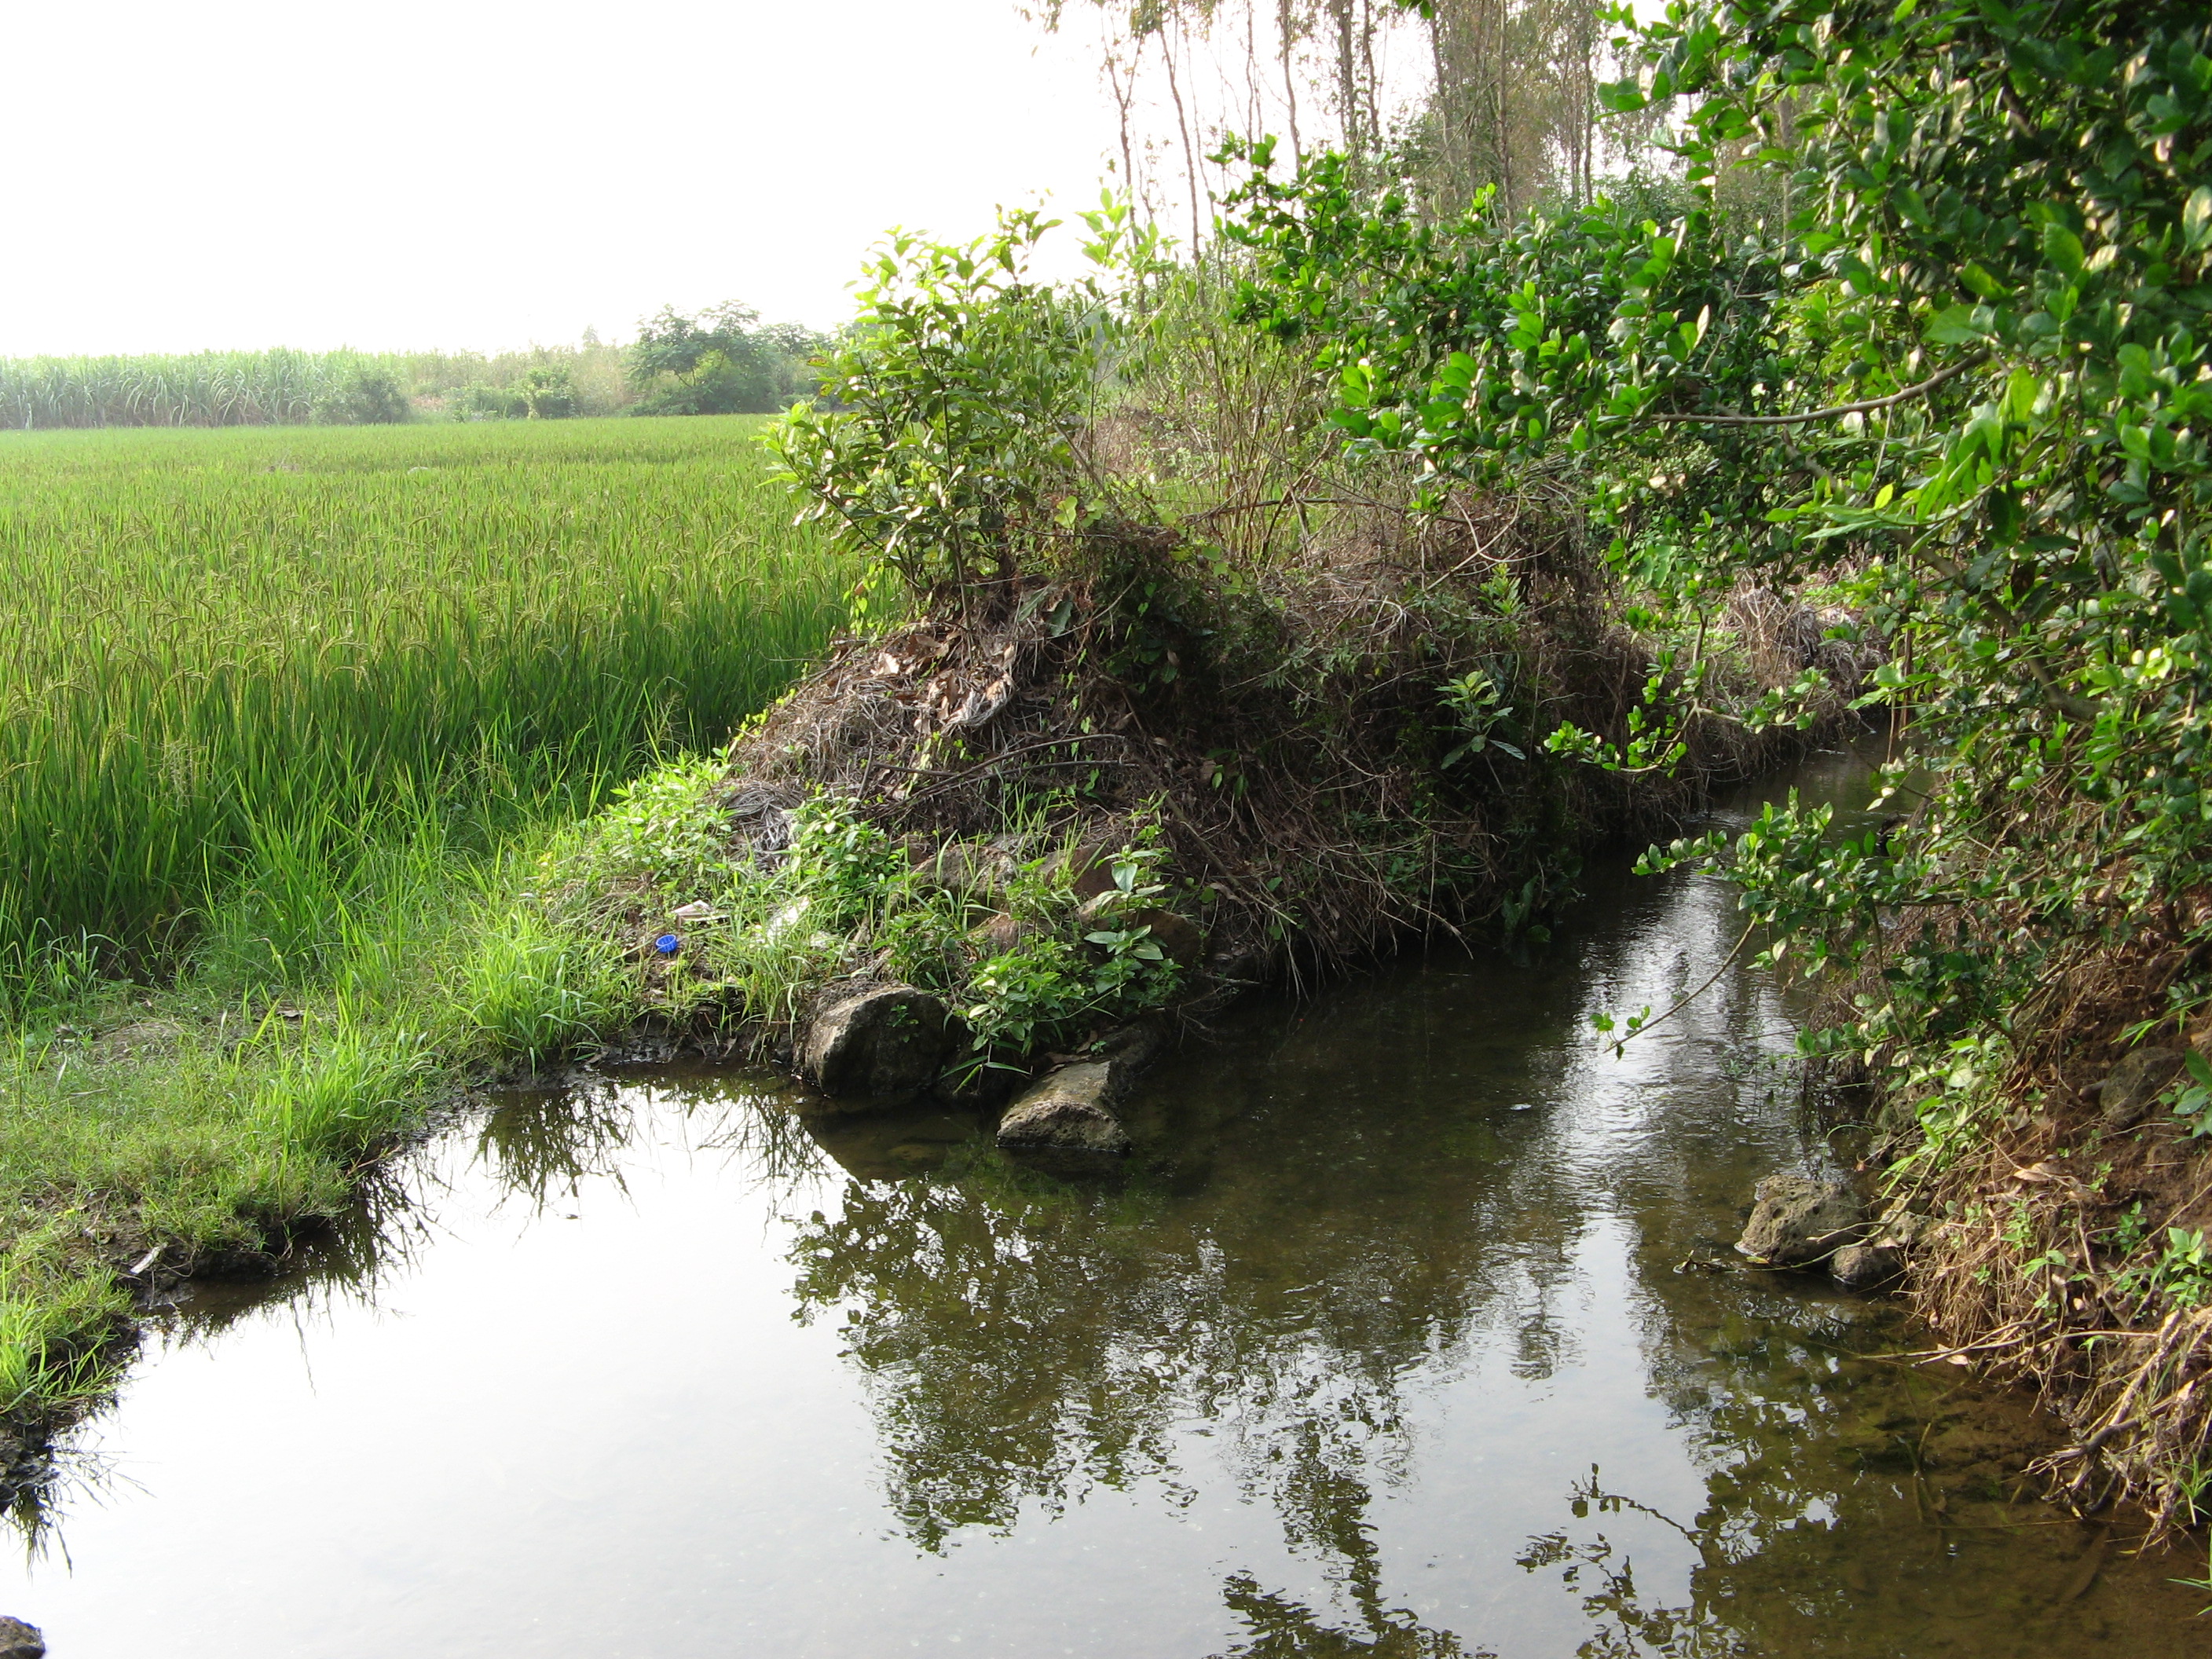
{"type": "Point", "coordinates": [1348, 74]}
{"type": "Point", "coordinates": [1441, 109]}
{"type": "Point", "coordinates": [1504, 131]}
{"type": "Point", "coordinates": [1189, 150]}
{"type": "Point", "coordinates": [1374, 85]}
{"type": "Point", "coordinates": [1125, 94]}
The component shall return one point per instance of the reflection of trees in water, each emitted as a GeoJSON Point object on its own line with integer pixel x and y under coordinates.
{"type": "Point", "coordinates": [1851, 1507]}
{"type": "Point", "coordinates": [1604, 1576]}
{"type": "Point", "coordinates": [1278, 1627]}
{"type": "Point", "coordinates": [992, 1326]}
{"type": "Point", "coordinates": [1325, 1232]}
{"type": "Point", "coordinates": [1025, 1341]}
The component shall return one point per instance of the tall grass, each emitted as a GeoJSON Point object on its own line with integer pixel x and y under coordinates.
{"type": "Point", "coordinates": [285, 388]}
{"type": "Point", "coordinates": [206, 388]}
{"type": "Point", "coordinates": [223, 650]}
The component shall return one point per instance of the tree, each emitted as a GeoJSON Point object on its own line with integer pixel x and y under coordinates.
{"type": "Point", "coordinates": [720, 362]}
{"type": "Point", "coordinates": [1511, 101]}
{"type": "Point", "coordinates": [548, 394]}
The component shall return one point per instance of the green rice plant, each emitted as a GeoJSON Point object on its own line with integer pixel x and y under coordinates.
{"type": "Point", "coordinates": [284, 718]}
{"type": "Point", "coordinates": [248, 649]}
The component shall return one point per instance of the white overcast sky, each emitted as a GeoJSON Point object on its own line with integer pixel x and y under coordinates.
{"type": "Point", "coordinates": [482, 173]}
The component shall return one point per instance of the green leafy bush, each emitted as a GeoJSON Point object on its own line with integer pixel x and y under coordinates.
{"type": "Point", "coordinates": [365, 395]}
{"type": "Point", "coordinates": [668, 828]}
{"type": "Point", "coordinates": [949, 440]}
{"type": "Point", "coordinates": [845, 866]}
{"type": "Point", "coordinates": [1967, 388]}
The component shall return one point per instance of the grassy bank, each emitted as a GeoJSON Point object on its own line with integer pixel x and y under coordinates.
{"type": "Point", "coordinates": [290, 715]}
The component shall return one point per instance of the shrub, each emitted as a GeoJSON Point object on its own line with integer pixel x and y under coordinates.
{"type": "Point", "coordinates": [951, 440]}
{"type": "Point", "coordinates": [363, 396]}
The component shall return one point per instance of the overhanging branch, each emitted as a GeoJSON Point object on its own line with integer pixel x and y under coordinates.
{"type": "Point", "coordinates": [1868, 407]}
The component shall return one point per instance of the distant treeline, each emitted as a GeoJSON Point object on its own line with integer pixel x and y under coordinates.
{"type": "Point", "coordinates": [724, 361]}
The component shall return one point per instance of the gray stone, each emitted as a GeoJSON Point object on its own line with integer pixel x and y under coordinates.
{"type": "Point", "coordinates": [1129, 1049]}
{"type": "Point", "coordinates": [1796, 1221]}
{"type": "Point", "coordinates": [20, 1641]}
{"type": "Point", "coordinates": [2130, 1087]}
{"type": "Point", "coordinates": [1903, 1228]}
{"type": "Point", "coordinates": [871, 1045]}
{"type": "Point", "coordinates": [969, 869]}
{"type": "Point", "coordinates": [1867, 1266]}
{"type": "Point", "coordinates": [999, 934]}
{"type": "Point", "coordinates": [1067, 1118]}
{"type": "Point", "coordinates": [1880, 1259]}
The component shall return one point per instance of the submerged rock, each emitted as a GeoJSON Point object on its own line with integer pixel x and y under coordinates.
{"type": "Point", "coordinates": [1068, 1118]}
{"type": "Point", "coordinates": [1879, 1258]}
{"type": "Point", "coordinates": [875, 1045]}
{"type": "Point", "coordinates": [1867, 1266]}
{"type": "Point", "coordinates": [2130, 1087]}
{"type": "Point", "coordinates": [1796, 1221]}
{"type": "Point", "coordinates": [20, 1641]}
{"type": "Point", "coordinates": [887, 1145]}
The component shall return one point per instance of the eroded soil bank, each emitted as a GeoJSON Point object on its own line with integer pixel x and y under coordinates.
{"type": "Point", "coordinates": [1394, 1338]}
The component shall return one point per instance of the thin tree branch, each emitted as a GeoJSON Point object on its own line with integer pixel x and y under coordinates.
{"type": "Point", "coordinates": [1742, 939]}
{"type": "Point", "coordinates": [1868, 406]}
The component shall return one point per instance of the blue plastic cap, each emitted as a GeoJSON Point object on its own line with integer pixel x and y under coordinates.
{"type": "Point", "coordinates": [667, 945]}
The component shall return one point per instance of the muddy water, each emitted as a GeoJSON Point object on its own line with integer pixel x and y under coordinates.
{"type": "Point", "coordinates": [1398, 1344]}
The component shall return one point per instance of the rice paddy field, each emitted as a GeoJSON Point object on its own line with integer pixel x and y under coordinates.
{"type": "Point", "coordinates": [214, 644]}
{"type": "Point", "coordinates": [290, 714]}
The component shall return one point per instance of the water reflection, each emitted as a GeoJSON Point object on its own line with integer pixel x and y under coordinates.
{"type": "Point", "coordinates": [1396, 1342]}
{"type": "Point", "coordinates": [1347, 1213]}
{"type": "Point", "coordinates": [1280, 1627]}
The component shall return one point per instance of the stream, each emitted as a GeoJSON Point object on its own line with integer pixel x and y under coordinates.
{"type": "Point", "coordinates": [1396, 1342]}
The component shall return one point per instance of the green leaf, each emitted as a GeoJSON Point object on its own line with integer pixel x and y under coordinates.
{"type": "Point", "coordinates": [2196, 218]}
{"type": "Point", "coordinates": [2062, 248]}
{"type": "Point", "coordinates": [1982, 282]}
{"type": "Point", "coordinates": [1956, 325]}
